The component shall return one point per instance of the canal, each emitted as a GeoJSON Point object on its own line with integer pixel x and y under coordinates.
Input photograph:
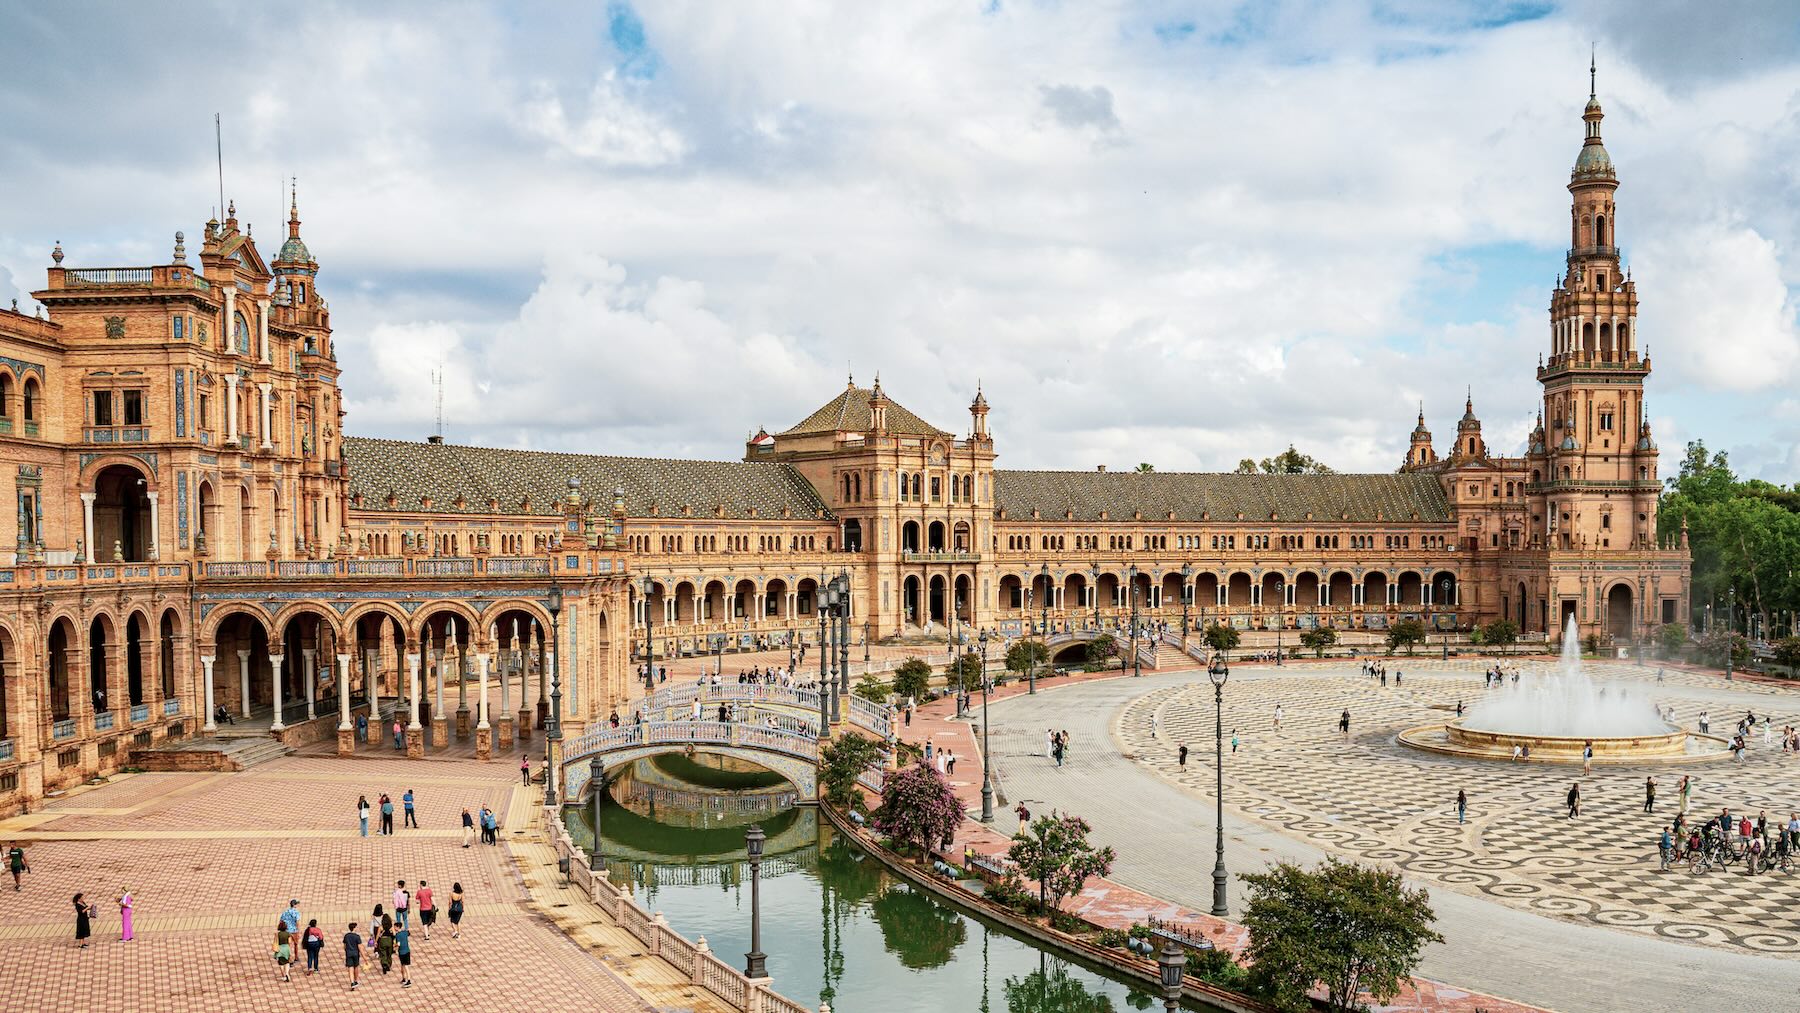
{"type": "Point", "coordinates": [836, 925]}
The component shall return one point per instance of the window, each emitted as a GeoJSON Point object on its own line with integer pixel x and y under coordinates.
{"type": "Point", "coordinates": [1606, 522]}
{"type": "Point", "coordinates": [240, 331]}
{"type": "Point", "coordinates": [103, 408]}
{"type": "Point", "coordinates": [1606, 421]}
{"type": "Point", "coordinates": [180, 328]}
{"type": "Point", "coordinates": [937, 488]}
{"type": "Point", "coordinates": [134, 407]}
{"type": "Point", "coordinates": [203, 416]}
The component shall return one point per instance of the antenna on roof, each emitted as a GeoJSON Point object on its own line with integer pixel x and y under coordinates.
{"type": "Point", "coordinates": [437, 382]}
{"type": "Point", "coordinates": [219, 149]}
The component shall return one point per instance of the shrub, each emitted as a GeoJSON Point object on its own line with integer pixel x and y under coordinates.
{"type": "Point", "coordinates": [918, 808]}
{"type": "Point", "coordinates": [872, 689]}
{"type": "Point", "coordinates": [1405, 633]}
{"type": "Point", "coordinates": [1318, 640]}
{"type": "Point", "coordinates": [912, 678]}
{"type": "Point", "coordinates": [845, 759]}
{"type": "Point", "coordinates": [1113, 937]}
{"type": "Point", "coordinates": [965, 673]}
{"type": "Point", "coordinates": [1671, 636]}
{"type": "Point", "coordinates": [1054, 850]}
{"type": "Point", "coordinates": [1220, 637]}
{"type": "Point", "coordinates": [1217, 967]}
{"type": "Point", "coordinates": [1010, 892]}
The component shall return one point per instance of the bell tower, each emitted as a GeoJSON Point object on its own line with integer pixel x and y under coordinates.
{"type": "Point", "coordinates": [1594, 480]}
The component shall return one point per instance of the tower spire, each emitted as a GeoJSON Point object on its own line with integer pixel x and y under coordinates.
{"type": "Point", "coordinates": [1592, 51]}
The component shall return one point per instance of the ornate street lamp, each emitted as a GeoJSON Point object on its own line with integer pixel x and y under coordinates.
{"type": "Point", "coordinates": [1044, 626]}
{"type": "Point", "coordinates": [987, 756]}
{"type": "Point", "coordinates": [596, 788]}
{"type": "Point", "coordinates": [1187, 596]}
{"type": "Point", "coordinates": [1280, 617]}
{"type": "Point", "coordinates": [553, 734]}
{"type": "Point", "coordinates": [1219, 672]}
{"type": "Point", "coordinates": [1730, 628]}
{"type": "Point", "coordinates": [1094, 591]}
{"type": "Point", "coordinates": [754, 960]}
{"type": "Point", "coordinates": [1170, 963]}
{"type": "Point", "coordinates": [843, 634]}
{"type": "Point", "coordinates": [1131, 575]}
{"type": "Point", "coordinates": [650, 641]}
{"type": "Point", "coordinates": [822, 595]}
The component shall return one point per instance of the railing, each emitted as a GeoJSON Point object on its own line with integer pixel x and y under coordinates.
{"type": "Point", "coordinates": [306, 568]}
{"type": "Point", "coordinates": [171, 706]}
{"type": "Point", "coordinates": [115, 434]}
{"type": "Point", "coordinates": [915, 556]}
{"type": "Point", "coordinates": [64, 729]}
{"type": "Point", "coordinates": [1593, 251]}
{"type": "Point", "coordinates": [237, 569]}
{"type": "Point", "coordinates": [375, 567]}
{"type": "Point", "coordinates": [874, 717]}
{"type": "Point", "coordinates": [140, 712]}
{"type": "Point", "coordinates": [107, 276]}
{"type": "Point", "coordinates": [103, 721]}
{"type": "Point", "coordinates": [444, 567]}
{"type": "Point", "coordinates": [6, 750]}
{"type": "Point", "coordinates": [518, 565]}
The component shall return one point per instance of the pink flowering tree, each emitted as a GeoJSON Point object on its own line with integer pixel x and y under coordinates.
{"type": "Point", "coordinates": [1054, 850]}
{"type": "Point", "coordinates": [918, 808]}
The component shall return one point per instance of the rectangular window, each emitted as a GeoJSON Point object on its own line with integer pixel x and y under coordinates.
{"type": "Point", "coordinates": [103, 413]}
{"type": "Point", "coordinates": [134, 407]}
{"type": "Point", "coordinates": [180, 328]}
{"type": "Point", "coordinates": [1606, 421]}
{"type": "Point", "coordinates": [202, 417]}
{"type": "Point", "coordinates": [937, 489]}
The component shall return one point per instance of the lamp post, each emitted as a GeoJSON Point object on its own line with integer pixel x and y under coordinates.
{"type": "Point", "coordinates": [821, 605]}
{"type": "Point", "coordinates": [553, 732]}
{"type": "Point", "coordinates": [1280, 617]}
{"type": "Point", "coordinates": [596, 787]}
{"type": "Point", "coordinates": [1094, 591]}
{"type": "Point", "coordinates": [1187, 597]}
{"type": "Point", "coordinates": [987, 756]}
{"type": "Point", "coordinates": [865, 646]}
{"type": "Point", "coordinates": [1044, 626]}
{"type": "Point", "coordinates": [1131, 575]}
{"type": "Point", "coordinates": [650, 642]}
{"type": "Point", "coordinates": [1219, 672]}
{"type": "Point", "coordinates": [1170, 964]}
{"type": "Point", "coordinates": [843, 637]}
{"type": "Point", "coordinates": [1730, 628]}
{"type": "Point", "coordinates": [1444, 594]}
{"type": "Point", "coordinates": [754, 960]}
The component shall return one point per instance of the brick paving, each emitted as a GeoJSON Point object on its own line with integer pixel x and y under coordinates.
{"type": "Point", "coordinates": [227, 852]}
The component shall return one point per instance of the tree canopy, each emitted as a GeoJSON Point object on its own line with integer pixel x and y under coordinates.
{"type": "Point", "coordinates": [1744, 536]}
{"type": "Point", "coordinates": [1288, 462]}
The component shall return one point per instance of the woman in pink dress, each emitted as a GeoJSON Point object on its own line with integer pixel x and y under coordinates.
{"type": "Point", "coordinates": [125, 903]}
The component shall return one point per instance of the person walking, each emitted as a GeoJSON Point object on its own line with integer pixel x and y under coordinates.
{"type": "Point", "coordinates": [384, 944]}
{"type": "Point", "coordinates": [284, 949]}
{"type": "Point", "coordinates": [353, 944]}
{"type": "Point", "coordinates": [1344, 724]}
{"type": "Point", "coordinates": [16, 864]}
{"type": "Point", "coordinates": [402, 902]}
{"type": "Point", "coordinates": [1056, 751]}
{"type": "Point", "coordinates": [387, 815]}
{"type": "Point", "coordinates": [1462, 805]}
{"type": "Point", "coordinates": [1234, 740]}
{"type": "Point", "coordinates": [362, 813]}
{"type": "Point", "coordinates": [468, 825]}
{"type": "Point", "coordinates": [362, 728]}
{"type": "Point", "coordinates": [403, 949]}
{"type": "Point", "coordinates": [1587, 757]}
{"type": "Point", "coordinates": [399, 736]}
{"type": "Point", "coordinates": [412, 818]}
{"type": "Point", "coordinates": [1181, 757]}
{"type": "Point", "coordinates": [84, 919]}
{"type": "Point", "coordinates": [456, 910]}
{"type": "Point", "coordinates": [1278, 713]}
{"type": "Point", "coordinates": [427, 912]}
{"type": "Point", "coordinates": [1665, 846]}
{"type": "Point", "coordinates": [125, 905]}
{"type": "Point", "coordinates": [1650, 794]}
{"type": "Point", "coordinates": [312, 941]}
{"type": "Point", "coordinates": [1049, 744]}
{"type": "Point", "coordinates": [950, 763]}
{"type": "Point", "coordinates": [1575, 800]}
{"type": "Point", "coordinates": [525, 770]}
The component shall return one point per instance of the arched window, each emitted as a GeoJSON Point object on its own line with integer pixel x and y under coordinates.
{"type": "Point", "coordinates": [240, 333]}
{"type": "Point", "coordinates": [917, 486]}
{"type": "Point", "coordinates": [29, 401]}
{"type": "Point", "coordinates": [6, 394]}
{"type": "Point", "coordinates": [1599, 230]}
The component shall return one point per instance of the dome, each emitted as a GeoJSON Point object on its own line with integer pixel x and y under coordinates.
{"type": "Point", "coordinates": [1593, 160]}
{"type": "Point", "coordinates": [294, 251]}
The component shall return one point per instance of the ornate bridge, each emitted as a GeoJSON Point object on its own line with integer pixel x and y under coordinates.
{"type": "Point", "coordinates": [673, 703]}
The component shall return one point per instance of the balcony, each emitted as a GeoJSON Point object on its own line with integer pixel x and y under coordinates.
{"type": "Point", "coordinates": [912, 556]}
{"type": "Point", "coordinates": [140, 713]}
{"type": "Point", "coordinates": [64, 729]}
{"type": "Point", "coordinates": [1593, 251]}
{"type": "Point", "coordinates": [115, 434]}
{"type": "Point", "coordinates": [77, 277]}
{"type": "Point", "coordinates": [103, 721]}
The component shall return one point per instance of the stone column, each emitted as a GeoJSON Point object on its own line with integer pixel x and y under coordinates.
{"type": "Point", "coordinates": [231, 408]}
{"type": "Point", "coordinates": [415, 734]}
{"type": "Point", "coordinates": [155, 527]}
{"type": "Point", "coordinates": [543, 674]}
{"type": "Point", "coordinates": [506, 718]}
{"type": "Point", "coordinates": [346, 731]}
{"type": "Point", "coordinates": [229, 333]}
{"type": "Point", "coordinates": [440, 728]}
{"type": "Point", "coordinates": [244, 682]}
{"type": "Point", "coordinates": [306, 657]}
{"type": "Point", "coordinates": [525, 708]}
{"type": "Point", "coordinates": [484, 736]}
{"type": "Point", "coordinates": [275, 661]}
{"type": "Point", "coordinates": [206, 690]}
{"type": "Point", "coordinates": [462, 698]}
{"type": "Point", "coordinates": [87, 524]}
{"type": "Point", "coordinates": [372, 686]}
{"type": "Point", "coordinates": [262, 336]}
{"type": "Point", "coordinates": [268, 415]}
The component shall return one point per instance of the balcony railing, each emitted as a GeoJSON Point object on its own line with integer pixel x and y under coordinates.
{"type": "Point", "coordinates": [244, 569]}
{"type": "Point", "coordinates": [444, 567]}
{"type": "Point", "coordinates": [6, 750]}
{"type": "Point", "coordinates": [140, 713]}
{"type": "Point", "coordinates": [64, 729]}
{"type": "Point", "coordinates": [116, 434]}
{"type": "Point", "coordinates": [1593, 251]}
{"type": "Point", "coordinates": [171, 706]}
{"type": "Point", "coordinates": [103, 721]}
{"type": "Point", "coordinates": [375, 567]}
{"type": "Point", "coordinates": [107, 276]}
{"type": "Point", "coordinates": [307, 568]}
{"type": "Point", "coordinates": [914, 556]}
{"type": "Point", "coordinates": [518, 565]}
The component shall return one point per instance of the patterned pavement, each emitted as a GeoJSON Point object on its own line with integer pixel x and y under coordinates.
{"type": "Point", "coordinates": [1371, 799]}
{"type": "Point", "coordinates": [212, 859]}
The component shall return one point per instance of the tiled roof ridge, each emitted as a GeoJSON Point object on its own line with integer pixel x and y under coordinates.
{"type": "Point", "coordinates": [558, 453]}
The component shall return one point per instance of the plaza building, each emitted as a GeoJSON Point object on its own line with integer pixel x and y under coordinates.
{"type": "Point", "coordinates": [195, 533]}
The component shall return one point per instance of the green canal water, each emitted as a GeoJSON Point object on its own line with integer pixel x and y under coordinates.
{"type": "Point", "coordinates": [837, 927]}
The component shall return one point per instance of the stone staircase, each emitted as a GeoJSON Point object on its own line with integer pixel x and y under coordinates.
{"type": "Point", "coordinates": [222, 753]}
{"type": "Point", "coordinates": [1169, 657]}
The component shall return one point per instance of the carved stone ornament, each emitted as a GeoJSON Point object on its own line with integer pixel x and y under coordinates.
{"type": "Point", "coordinates": [115, 327]}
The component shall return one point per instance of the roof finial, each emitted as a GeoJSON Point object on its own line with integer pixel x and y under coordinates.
{"type": "Point", "coordinates": [1592, 51]}
{"type": "Point", "coordinates": [851, 378]}
{"type": "Point", "coordinates": [1421, 411]}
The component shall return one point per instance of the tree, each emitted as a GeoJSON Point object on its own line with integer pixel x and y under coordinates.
{"type": "Point", "coordinates": [842, 761]}
{"type": "Point", "coordinates": [1787, 652]}
{"type": "Point", "coordinates": [1025, 655]}
{"type": "Point", "coordinates": [965, 672]}
{"type": "Point", "coordinates": [1501, 633]}
{"type": "Point", "coordinates": [1052, 988]}
{"type": "Point", "coordinates": [1744, 536]}
{"type": "Point", "coordinates": [1319, 639]}
{"type": "Point", "coordinates": [1144, 468]}
{"type": "Point", "coordinates": [1221, 637]}
{"type": "Point", "coordinates": [918, 809]}
{"type": "Point", "coordinates": [1246, 467]}
{"type": "Point", "coordinates": [1288, 462]}
{"type": "Point", "coordinates": [1713, 644]}
{"type": "Point", "coordinates": [872, 689]}
{"type": "Point", "coordinates": [913, 678]}
{"type": "Point", "coordinates": [1054, 850]}
{"type": "Point", "coordinates": [1672, 636]}
{"type": "Point", "coordinates": [1102, 649]}
{"type": "Point", "coordinates": [1349, 927]}
{"type": "Point", "coordinates": [1405, 633]}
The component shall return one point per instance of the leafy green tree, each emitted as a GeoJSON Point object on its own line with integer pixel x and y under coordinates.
{"type": "Point", "coordinates": [1501, 633]}
{"type": "Point", "coordinates": [1348, 927]}
{"type": "Point", "coordinates": [918, 809]}
{"type": "Point", "coordinates": [1405, 633]}
{"type": "Point", "coordinates": [1054, 850]}
{"type": "Point", "coordinates": [1145, 468]}
{"type": "Point", "coordinates": [1288, 462]}
{"type": "Point", "coordinates": [1787, 652]}
{"type": "Point", "coordinates": [1221, 637]}
{"type": "Point", "coordinates": [1025, 655]}
{"type": "Point", "coordinates": [965, 672]}
{"type": "Point", "coordinates": [1711, 647]}
{"type": "Point", "coordinates": [1744, 536]}
{"type": "Point", "coordinates": [872, 689]}
{"type": "Point", "coordinates": [1102, 649]}
{"type": "Point", "coordinates": [1672, 636]}
{"type": "Point", "coordinates": [844, 759]}
{"type": "Point", "coordinates": [1318, 640]}
{"type": "Point", "coordinates": [912, 678]}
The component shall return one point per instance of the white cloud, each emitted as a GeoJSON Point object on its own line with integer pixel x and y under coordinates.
{"type": "Point", "coordinates": [614, 130]}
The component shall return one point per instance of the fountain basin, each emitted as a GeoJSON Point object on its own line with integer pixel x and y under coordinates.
{"type": "Point", "coordinates": [1676, 745]}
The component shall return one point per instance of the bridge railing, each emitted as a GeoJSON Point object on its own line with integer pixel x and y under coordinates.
{"type": "Point", "coordinates": [873, 717]}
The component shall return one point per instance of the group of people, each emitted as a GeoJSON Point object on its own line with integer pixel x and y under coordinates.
{"type": "Point", "coordinates": [1056, 745]}
{"type": "Point", "coordinates": [389, 938]}
{"type": "Point", "coordinates": [1760, 847]}
{"type": "Point", "coordinates": [1377, 670]}
{"type": "Point", "coordinates": [1496, 676]}
{"type": "Point", "coordinates": [86, 910]}
{"type": "Point", "coordinates": [941, 760]}
{"type": "Point", "coordinates": [385, 827]}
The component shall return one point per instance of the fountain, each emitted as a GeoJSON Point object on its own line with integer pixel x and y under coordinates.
{"type": "Point", "coordinates": [1556, 712]}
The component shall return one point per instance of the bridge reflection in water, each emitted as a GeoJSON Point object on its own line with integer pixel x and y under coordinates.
{"type": "Point", "coordinates": [837, 926]}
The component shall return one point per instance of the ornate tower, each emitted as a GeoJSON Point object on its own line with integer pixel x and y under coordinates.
{"type": "Point", "coordinates": [1594, 480]}
{"type": "Point", "coordinates": [1469, 445]}
{"type": "Point", "coordinates": [1419, 452]}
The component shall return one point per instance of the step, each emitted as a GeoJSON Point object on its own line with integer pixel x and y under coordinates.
{"type": "Point", "coordinates": [229, 753]}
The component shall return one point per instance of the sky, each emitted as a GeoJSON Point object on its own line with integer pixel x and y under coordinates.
{"type": "Point", "coordinates": [1181, 234]}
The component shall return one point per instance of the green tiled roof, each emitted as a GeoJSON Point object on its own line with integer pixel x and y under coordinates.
{"type": "Point", "coordinates": [445, 471]}
{"type": "Point", "coordinates": [849, 412]}
{"type": "Point", "coordinates": [1221, 497]}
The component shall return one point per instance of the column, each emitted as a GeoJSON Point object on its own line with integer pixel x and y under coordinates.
{"type": "Point", "coordinates": [87, 524]}
{"type": "Point", "coordinates": [227, 334]}
{"type": "Point", "coordinates": [231, 408]}
{"type": "Point", "coordinates": [440, 728]}
{"type": "Point", "coordinates": [206, 689]}
{"type": "Point", "coordinates": [268, 415]}
{"type": "Point", "coordinates": [415, 734]}
{"type": "Point", "coordinates": [372, 685]}
{"type": "Point", "coordinates": [244, 682]}
{"type": "Point", "coordinates": [484, 735]}
{"type": "Point", "coordinates": [306, 658]}
{"type": "Point", "coordinates": [155, 527]}
{"type": "Point", "coordinates": [262, 335]}
{"type": "Point", "coordinates": [462, 695]}
{"type": "Point", "coordinates": [525, 708]}
{"type": "Point", "coordinates": [506, 715]}
{"type": "Point", "coordinates": [275, 661]}
{"type": "Point", "coordinates": [346, 732]}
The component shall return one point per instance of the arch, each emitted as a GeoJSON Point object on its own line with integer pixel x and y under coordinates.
{"type": "Point", "coordinates": [1274, 589]}
{"type": "Point", "coordinates": [1075, 588]}
{"type": "Point", "coordinates": [1606, 342]}
{"type": "Point", "coordinates": [936, 606]}
{"type": "Point", "coordinates": [1172, 590]}
{"type": "Point", "coordinates": [6, 393]}
{"type": "Point", "coordinates": [853, 535]}
{"type": "Point", "coordinates": [1012, 593]}
{"type": "Point", "coordinates": [1206, 589]}
{"type": "Point", "coordinates": [1306, 589]}
{"type": "Point", "coordinates": [1107, 587]}
{"type": "Point", "coordinates": [9, 684]}
{"type": "Point", "coordinates": [1412, 587]}
{"type": "Point", "coordinates": [168, 628]}
{"type": "Point", "coordinates": [1524, 613]}
{"type": "Point", "coordinates": [685, 612]}
{"type": "Point", "coordinates": [909, 536]}
{"type": "Point", "coordinates": [775, 599]}
{"type": "Point", "coordinates": [323, 612]}
{"type": "Point", "coordinates": [960, 537]}
{"type": "Point", "coordinates": [1620, 599]}
{"type": "Point", "coordinates": [121, 512]}
{"type": "Point", "coordinates": [246, 523]}
{"type": "Point", "coordinates": [963, 598]}
{"type": "Point", "coordinates": [354, 619]}
{"type": "Point", "coordinates": [909, 599]}
{"type": "Point", "coordinates": [29, 396]}
{"type": "Point", "coordinates": [743, 598]}
{"type": "Point", "coordinates": [59, 646]}
{"type": "Point", "coordinates": [1587, 338]}
{"type": "Point", "coordinates": [1237, 589]}
{"type": "Point", "coordinates": [1375, 588]}
{"type": "Point", "coordinates": [100, 641]}
{"type": "Point", "coordinates": [1340, 589]}
{"type": "Point", "coordinates": [433, 627]}
{"type": "Point", "coordinates": [1600, 230]}
{"type": "Point", "coordinates": [207, 519]}
{"type": "Point", "coordinates": [137, 628]}
{"type": "Point", "coordinates": [934, 537]}
{"type": "Point", "coordinates": [1444, 588]}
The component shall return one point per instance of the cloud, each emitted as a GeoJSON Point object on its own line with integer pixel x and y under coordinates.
{"type": "Point", "coordinates": [1079, 108]}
